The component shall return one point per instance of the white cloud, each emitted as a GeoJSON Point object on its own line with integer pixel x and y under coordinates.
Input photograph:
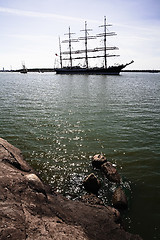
{"type": "Point", "coordinates": [41, 15]}
{"type": "Point", "coordinates": [31, 37]}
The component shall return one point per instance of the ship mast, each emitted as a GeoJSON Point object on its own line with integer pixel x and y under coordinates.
{"type": "Point", "coordinates": [86, 44]}
{"type": "Point", "coordinates": [105, 44]}
{"type": "Point", "coordinates": [69, 41]}
{"type": "Point", "coordinates": [70, 50]}
{"type": "Point", "coordinates": [71, 54]}
{"type": "Point", "coordinates": [86, 37]}
{"type": "Point", "coordinates": [104, 35]}
{"type": "Point", "coordinates": [60, 52]}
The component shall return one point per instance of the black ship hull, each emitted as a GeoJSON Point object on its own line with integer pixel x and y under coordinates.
{"type": "Point", "coordinates": [23, 71]}
{"type": "Point", "coordinates": [115, 70]}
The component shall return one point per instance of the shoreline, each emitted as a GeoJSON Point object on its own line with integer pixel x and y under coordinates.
{"type": "Point", "coordinates": [43, 70]}
{"type": "Point", "coordinates": [30, 209]}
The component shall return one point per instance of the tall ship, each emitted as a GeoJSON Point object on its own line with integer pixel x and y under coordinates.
{"type": "Point", "coordinates": [87, 54]}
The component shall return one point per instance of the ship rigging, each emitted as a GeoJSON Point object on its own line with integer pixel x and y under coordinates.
{"type": "Point", "coordinates": [84, 54]}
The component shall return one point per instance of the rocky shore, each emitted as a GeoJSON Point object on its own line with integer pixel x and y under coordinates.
{"type": "Point", "coordinates": [31, 210]}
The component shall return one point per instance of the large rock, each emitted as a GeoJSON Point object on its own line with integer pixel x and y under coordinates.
{"type": "Point", "coordinates": [91, 199]}
{"type": "Point", "coordinates": [91, 183]}
{"type": "Point", "coordinates": [94, 200]}
{"type": "Point", "coordinates": [119, 199]}
{"type": "Point", "coordinates": [13, 156]}
{"type": "Point", "coordinates": [111, 172]}
{"type": "Point", "coordinates": [28, 210]}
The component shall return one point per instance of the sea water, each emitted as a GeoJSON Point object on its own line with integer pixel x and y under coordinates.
{"type": "Point", "coordinates": [60, 122]}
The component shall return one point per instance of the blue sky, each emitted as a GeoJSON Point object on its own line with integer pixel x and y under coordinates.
{"type": "Point", "coordinates": [29, 29]}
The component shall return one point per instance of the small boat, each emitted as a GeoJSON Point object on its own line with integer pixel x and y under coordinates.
{"type": "Point", "coordinates": [86, 54]}
{"type": "Point", "coordinates": [24, 69]}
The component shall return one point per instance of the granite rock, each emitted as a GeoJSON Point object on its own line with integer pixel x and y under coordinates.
{"type": "Point", "coordinates": [119, 199]}
{"type": "Point", "coordinates": [111, 172]}
{"type": "Point", "coordinates": [98, 160]}
{"type": "Point", "coordinates": [30, 210]}
{"type": "Point", "coordinates": [91, 183]}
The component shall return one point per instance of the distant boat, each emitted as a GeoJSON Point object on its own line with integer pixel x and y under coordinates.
{"type": "Point", "coordinates": [24, 69]}
{"type": "Point", "coordinates": [86, 54]}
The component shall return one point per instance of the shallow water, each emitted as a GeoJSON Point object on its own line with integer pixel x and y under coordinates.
{"type": "Point", "coordinates": [59, 122]}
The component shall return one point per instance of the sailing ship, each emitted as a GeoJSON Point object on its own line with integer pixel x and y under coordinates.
{"type": "Point", "coordinates": [85, 54]}
{"type": "Point", "coordinates": [24, 69]}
